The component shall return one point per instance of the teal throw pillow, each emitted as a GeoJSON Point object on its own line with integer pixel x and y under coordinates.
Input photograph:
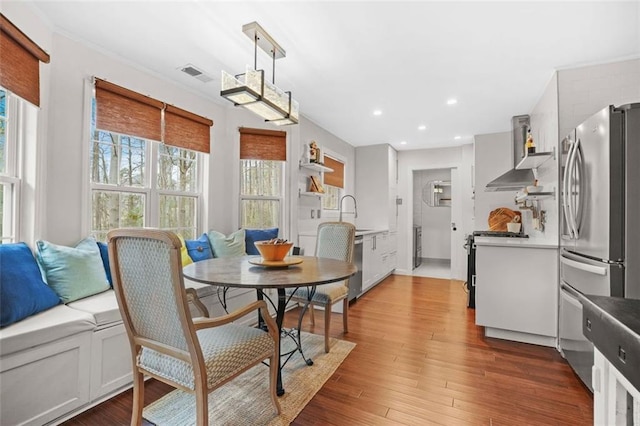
{"type": "Point", "coordinates": [226, 246]}
{"type": "Point", "coordinates": [199, 249]}
{"type": "Point", "coordinates": [73, 272]}
{"type": "Point", "coordinates": [22, 291]}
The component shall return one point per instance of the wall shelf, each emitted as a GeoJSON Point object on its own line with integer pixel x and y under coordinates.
{"type": "Point", "coordinates": [533, 161]}
{"type": "Point", "coordinates": [302, 193]}
{"type": "Point", "coordinates": [315, 167]}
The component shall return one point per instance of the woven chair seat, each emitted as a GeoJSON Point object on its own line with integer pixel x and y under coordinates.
{"type": "Point", "coordinates": [325, 294]}
{"type": "Point", "coordinates": [226, 350]}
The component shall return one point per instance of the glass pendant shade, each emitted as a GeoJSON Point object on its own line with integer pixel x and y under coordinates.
{"type": "Point", "coordinates": [252, 91]}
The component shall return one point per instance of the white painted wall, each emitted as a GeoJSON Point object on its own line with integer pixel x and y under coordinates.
{"type": "Point", "coordinates": [409, 161]}
{"type": "Point", "coordinates": [328, 144]}
{"type": "Point", "coordinates": [493, 157]}
{"type": "Point", "coordinates": [435, 221]}
{"type": "Point", "coordinates": [586, 90]}
{"type": "Point", "coordinates": [544, 129]}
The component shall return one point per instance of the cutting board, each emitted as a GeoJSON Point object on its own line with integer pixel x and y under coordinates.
{"type": "Point", "coordinates": [499, 218]}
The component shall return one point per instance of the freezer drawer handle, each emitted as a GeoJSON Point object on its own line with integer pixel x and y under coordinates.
{"type": "Point", "coordinates": [598, 270]}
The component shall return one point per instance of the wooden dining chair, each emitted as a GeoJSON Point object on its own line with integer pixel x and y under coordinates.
{"type": "Point", "coordinates": [334, 241]}
{"type": "Point", "coordinates": [195, 355]}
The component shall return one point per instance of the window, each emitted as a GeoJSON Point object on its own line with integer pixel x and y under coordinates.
{"type": "Point", "coordinates": [262, 160]}
{"type": "Point", "coordinates": [125, 193]}
{"type": "Point", "coordinates": [135, 180]}
{"type": "Point", "coordinates": [333, 183]}
{"type": "Point", "coordinates": [9, 177]}
{"type": "Point", "coordinates": [19, 91]}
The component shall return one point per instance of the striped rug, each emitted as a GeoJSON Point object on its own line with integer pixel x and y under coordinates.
{"type": "Point", "coordinates": [245, 400]}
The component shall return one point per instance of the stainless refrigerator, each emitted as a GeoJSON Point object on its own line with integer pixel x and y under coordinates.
{"type": "Point", "coordinates": [600, 222]}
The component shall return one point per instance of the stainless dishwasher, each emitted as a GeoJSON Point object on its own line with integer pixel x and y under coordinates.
{"type": "Point", "coordinates": [355, 282]}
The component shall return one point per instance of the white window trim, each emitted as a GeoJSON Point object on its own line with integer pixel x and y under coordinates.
{"type": "Point", "coordinates": [282, 199]}
{"type": "Point", "coordinates": [335, 214]}
{"type": "Point", "coordinates": [13, 163]}
{"type": "Point", "coordinates": [150, 190]}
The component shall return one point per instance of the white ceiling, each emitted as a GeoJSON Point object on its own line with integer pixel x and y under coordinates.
{"type": "Point", "coordinates": [347, 59]}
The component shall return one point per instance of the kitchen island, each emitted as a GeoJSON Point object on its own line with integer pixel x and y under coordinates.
{"type": "Point", "coordinates": [517, 289]}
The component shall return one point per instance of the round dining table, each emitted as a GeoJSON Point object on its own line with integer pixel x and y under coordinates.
{"type": "Point", "coordinates": [250, 272]}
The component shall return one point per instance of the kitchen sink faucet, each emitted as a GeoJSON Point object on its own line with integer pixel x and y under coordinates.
{"type": "Point", "coordinates": [355, 206]}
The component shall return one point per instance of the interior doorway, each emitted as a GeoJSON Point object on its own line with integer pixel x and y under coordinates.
{"type": "Point", "coordinates": [432, 223]}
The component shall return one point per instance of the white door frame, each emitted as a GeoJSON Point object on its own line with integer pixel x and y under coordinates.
{"type": "Point", "coordinates": [458, 271]}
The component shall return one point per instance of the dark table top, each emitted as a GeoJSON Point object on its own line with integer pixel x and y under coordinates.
{"type": "Point", "coordinates": [238, 272]}
{"type": "Point", "coordinates": [613, 325]}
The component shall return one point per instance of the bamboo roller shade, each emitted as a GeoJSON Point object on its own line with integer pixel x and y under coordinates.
{"type": "Point", "coordinates": [260, 144]}
{"type": "Point", "coordinates": [336, 177]}
{"type": "Point", "coordinates": [20, 64]}
{"type": "Point", "coordinates": [124, 111]}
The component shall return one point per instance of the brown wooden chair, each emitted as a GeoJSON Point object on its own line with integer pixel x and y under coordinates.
{"type": "Point", "coordinates": [334, 241]}
{"type": "Point", "coordinates": [195, 355]}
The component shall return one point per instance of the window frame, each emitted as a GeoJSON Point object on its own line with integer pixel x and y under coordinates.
{"type": "Point", "coordinates": [150, 189]}
{"type": "Point", "coordinates": [11, 178]}
{"type": "Point", "coordinates": [280, 199]}
{"type": "Point", "coordinates": [341, 191]}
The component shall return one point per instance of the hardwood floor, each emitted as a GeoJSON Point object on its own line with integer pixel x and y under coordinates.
{"type": "Point", "coordinates": [421, 360]}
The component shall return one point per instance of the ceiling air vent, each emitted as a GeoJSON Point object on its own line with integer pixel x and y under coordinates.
{"type": "Point", "coordinates": [196, 73]}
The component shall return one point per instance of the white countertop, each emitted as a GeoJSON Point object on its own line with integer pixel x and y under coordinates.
{"type": "Point", "coordinates": [515, 242]}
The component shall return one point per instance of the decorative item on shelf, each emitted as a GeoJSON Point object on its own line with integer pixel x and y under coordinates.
{"type": "Point", "coordinates": [315, 185]}
{"type": "Point", "coordinates": [530, 144]}
{"type": "Point", "coordinates": [250, 90]}
{"type": "Point", "coordinates": [314, 153]}
{"type": "Point", "coordinates": [514, 225]}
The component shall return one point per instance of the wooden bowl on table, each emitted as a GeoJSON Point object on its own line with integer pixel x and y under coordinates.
{"type": "Point", "coordinates": [273, 251]}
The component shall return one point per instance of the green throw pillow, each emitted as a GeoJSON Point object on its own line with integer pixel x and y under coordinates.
{"type": "Point", "coordinates": [73, 272]}
{"type": "Point", "coordinates": [226, 246]}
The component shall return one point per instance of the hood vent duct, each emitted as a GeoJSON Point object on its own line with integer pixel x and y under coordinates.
{"type": "Point", "coordinates": [514, 179]}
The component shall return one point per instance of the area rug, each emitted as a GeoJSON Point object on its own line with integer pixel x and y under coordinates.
{"type": "Point", "coordinates": [245, 400]}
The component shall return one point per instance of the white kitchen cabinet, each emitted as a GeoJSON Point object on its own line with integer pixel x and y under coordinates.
{"type": "Point", "coordinates": [377, 260]}
{"type": "Point", "coordinates": [517, 292]}
{"type": "Point", "coordinates": [377, 187]}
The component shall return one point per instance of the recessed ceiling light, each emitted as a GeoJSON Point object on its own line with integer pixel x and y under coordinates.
{"type": "Point", "coordinates": [403, 143]}
{"type": "Point", "coordinates": [458, 137]}
{"type": "Point", "coordinates": [422, 127]}
{"type": "Point", "coordinates": [377, 112]}
{"type": "Point", "coordinates": [452, 101]}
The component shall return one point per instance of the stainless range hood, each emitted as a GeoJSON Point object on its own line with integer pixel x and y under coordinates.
{"type": "Point", "coordinates": [514, 179]}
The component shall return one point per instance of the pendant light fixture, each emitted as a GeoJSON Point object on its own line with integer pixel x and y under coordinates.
{"type": "Point", "coordinates": [252, 91]}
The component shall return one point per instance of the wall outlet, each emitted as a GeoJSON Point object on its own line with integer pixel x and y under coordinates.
{"type": "Point", "coordinates": [313, 214]}
{"type": "Point", "coordinates": [318, 214]}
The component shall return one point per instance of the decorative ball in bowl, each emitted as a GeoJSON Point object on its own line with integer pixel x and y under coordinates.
{"type": "Point", "coordinates": [274, 250]}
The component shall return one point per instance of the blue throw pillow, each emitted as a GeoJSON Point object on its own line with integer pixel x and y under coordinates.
{"type": "Point", "coordinates": [104, 254]}
{"type": "Point", "coordinates": [253, 235]}
{"type": "Point", "coordinates": [199, 249]}
{"type": "Point", "coordinates": [73, 272]}
{"type": "Point", "coordinates": [22, 291]}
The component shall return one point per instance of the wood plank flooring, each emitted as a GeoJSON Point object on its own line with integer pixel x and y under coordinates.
{"type": "Point", "coordinates": [421, 360]}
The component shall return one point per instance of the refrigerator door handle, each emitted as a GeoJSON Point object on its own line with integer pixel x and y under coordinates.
{"type": "Point", "coordinates": [570, 203]}
{"type": "Point", "coordinates": [565, 190]}
{"type": "Point", "coordinates": [582, 195]}
{"type": "Point", "coordinates": [593, 269]}
{"type": "Point", "coordinates": [574, 298]}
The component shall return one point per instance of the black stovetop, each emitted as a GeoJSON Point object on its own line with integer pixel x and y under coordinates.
{"type": "Point", "coordinates": [503, 234]}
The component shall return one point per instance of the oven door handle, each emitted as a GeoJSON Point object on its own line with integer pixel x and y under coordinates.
{"type": "Point", "coordinates": [598, 270]}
